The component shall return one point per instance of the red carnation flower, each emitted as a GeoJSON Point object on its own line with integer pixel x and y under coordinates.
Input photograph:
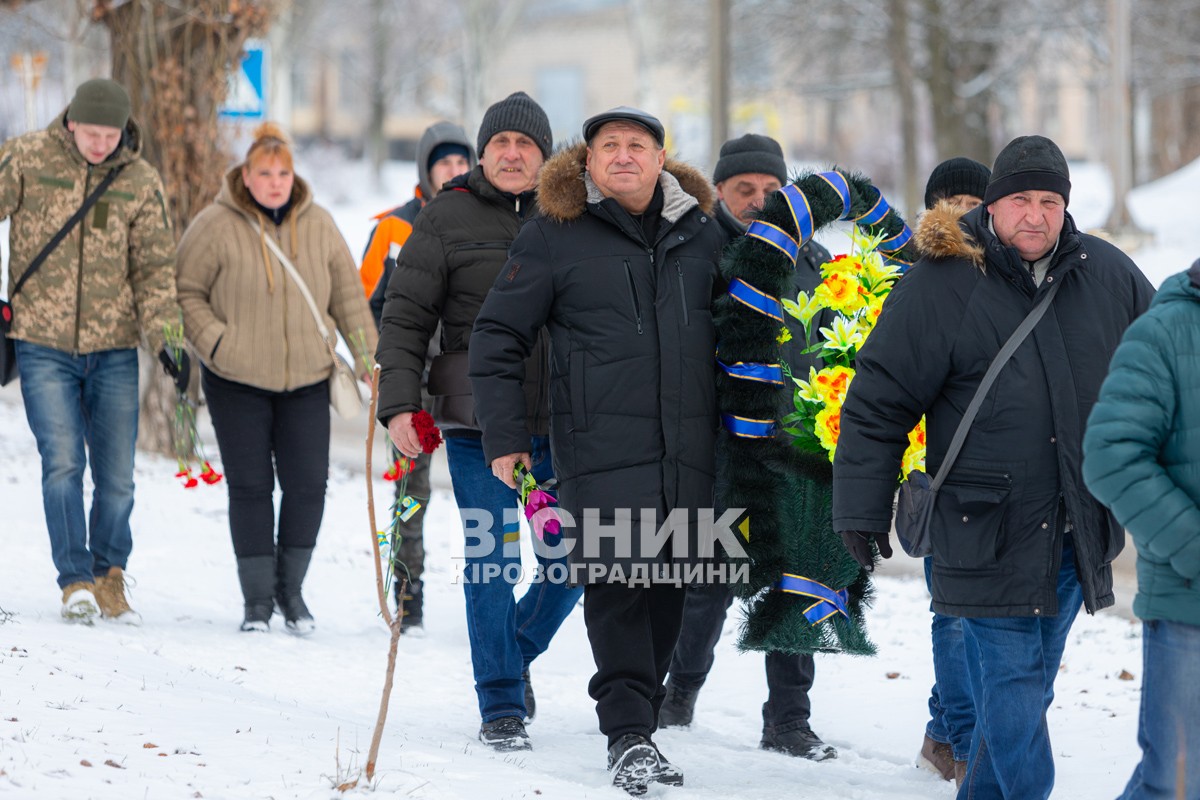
{"type": "Point", "coordinates": [427, 431]}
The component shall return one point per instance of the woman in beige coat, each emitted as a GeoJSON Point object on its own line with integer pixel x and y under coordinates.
{"type": "Point", "coordinates": [265, 367]}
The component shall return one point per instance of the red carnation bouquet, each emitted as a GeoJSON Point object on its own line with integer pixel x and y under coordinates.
{"type": "Point", "coordinates": [406, 505]}
{"type": "Point", "coordinates": [184, 438]}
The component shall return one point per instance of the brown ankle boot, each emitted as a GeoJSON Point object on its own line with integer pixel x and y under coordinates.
{"type": "Point", "coordinates": [110, 596]}
{"type": "Point", "coordinates": [960, 773]}
{"type": "Point", "coordinates": [79, 603]}
{"type": "Point", "coordinates": [938, 758]}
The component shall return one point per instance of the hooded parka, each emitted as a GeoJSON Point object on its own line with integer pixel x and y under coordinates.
{"type": "Point", "coordinates": [632, 372]}
{"type": "Point", "coordinates": [458, 246]}
{"type": "Point", "coordinates": [243, 313]}
{"type": "Point", "coordinates": [1142, 449]}
{"type": "Point", "coordinates": [998, 525]}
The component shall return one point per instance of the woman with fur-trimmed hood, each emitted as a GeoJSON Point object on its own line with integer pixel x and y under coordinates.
{"type": "Point", "coordinates": [622, 269]}
{"type": "Point", "coordinates": [265, 366]}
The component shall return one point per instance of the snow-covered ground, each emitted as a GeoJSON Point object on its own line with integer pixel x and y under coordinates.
{"type": "Point", "coordinates": [186, 706]}
{"type": "Point", "coordinates": [89, 712]}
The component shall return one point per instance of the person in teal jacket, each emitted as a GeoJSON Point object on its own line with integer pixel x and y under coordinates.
{"type": "Point", "coordinates": [1142, 460]}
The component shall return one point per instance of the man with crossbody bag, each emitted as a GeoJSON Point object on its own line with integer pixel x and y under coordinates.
{"type": "Point", "coordinates": [92, 275]}
{"type": "Point", "coordinates": [1018, 543]}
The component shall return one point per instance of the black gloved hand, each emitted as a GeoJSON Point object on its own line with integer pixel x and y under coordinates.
{"type": "Point", "coordinates": [180, 372]}
{"type": "Point", "coordinates": [858, 543]}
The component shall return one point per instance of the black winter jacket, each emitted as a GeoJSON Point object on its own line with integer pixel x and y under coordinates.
{"type": "Point", "coordinates": [632, 375]}
{"type": "Point", "coordinates": [997, 528]}
{"type": "Point", "coordinates": [459, 242]}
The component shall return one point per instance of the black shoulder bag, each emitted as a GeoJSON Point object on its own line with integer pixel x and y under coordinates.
{"type": "Point", "coordinates": [918, 494]}
{"type": "Point", "coordinates": [8, 353]}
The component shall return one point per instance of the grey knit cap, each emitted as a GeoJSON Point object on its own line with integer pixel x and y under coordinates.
{"type": "Point", "coordinates": [100, 102]}
{"type": "Point", "coordinates": [517, 112]}
{"type": "Point", "coordinates": [751, 153]}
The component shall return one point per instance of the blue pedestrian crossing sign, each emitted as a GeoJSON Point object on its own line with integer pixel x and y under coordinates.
{"type": "Point", "coordinates": [247, 95]}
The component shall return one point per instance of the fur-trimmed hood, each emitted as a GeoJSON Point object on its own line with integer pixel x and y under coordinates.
{"type": "Point", "coordinates": [940, 234]}
{"type": "Point", "coordinates": [565, 189]}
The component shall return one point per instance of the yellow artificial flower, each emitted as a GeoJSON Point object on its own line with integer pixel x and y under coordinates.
{"type": "Point", "coordinates": [785, 335]}
{"type": "Point", "coordinates": [830, 385]}
{"type": "Point", "coordinates": [841, 293]}
{"type": "Point", "coordinates": [808, 390]}
{"type": "Point", "coordinates": [804, 309]}
{"type": "Point", "coordinates": [848, 265]}
{"type": "Point", "coordinates": [871, 313]}
{"type": "Point", "coordinates": [829, 428]}
{"type": "Point", "coordinates": [914, 456]}
{"type": "Point", "coordinates": [844, 335]}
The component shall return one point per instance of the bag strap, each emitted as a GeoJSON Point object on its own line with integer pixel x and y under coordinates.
{"type": "Point", "coordinates": [964, 426]}
{"type": "Point", "coordinates": [54, 242]}
{"type": "Point", "coordinates": [302, 286]}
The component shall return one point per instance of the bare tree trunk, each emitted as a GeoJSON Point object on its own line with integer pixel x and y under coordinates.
{"type": "Point", "coordinates": [902, 68]}
{"type": "Point", "coordinates": [376, 141]}
{"type": "Point", "coordinates": [175, 62]}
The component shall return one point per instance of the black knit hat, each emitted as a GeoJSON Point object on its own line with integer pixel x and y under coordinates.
{"type": "Point", "coordinates": [751, 153]}
{"type": "Point", "coordinates": [517, 112]}
{"type": "Point", "coordinates": [1029, 163]}
{"type": "Point", "coordinates": [957, 176]}
{"type": "Point", "coordinates": [100, 102]}
{"type": "Point", "coordinates": [592, 125]}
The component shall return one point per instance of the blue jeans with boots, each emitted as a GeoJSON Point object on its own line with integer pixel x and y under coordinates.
{"type": "Point", "coordinates": [951, 710]}
{"type": "Point", "coordinates": [1013, 662]}
{"type": "Point", "coordinates": [506, 635]}
{"type": "Point", "coordinates": [83, 409]}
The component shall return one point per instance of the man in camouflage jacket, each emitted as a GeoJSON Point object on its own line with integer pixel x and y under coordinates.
{"type": "Point", "coordinates": [76, 325]}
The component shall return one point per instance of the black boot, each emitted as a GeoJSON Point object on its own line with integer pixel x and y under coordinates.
{"type": "Point", "coordinates": [679, 705]}
{"type": "Point", "coordinates": [291, 568]}
{"type": "Point", "coordinates": [530, 700]}
{"type": "Point", "coordinates": [412, 602]}
{"type": "Point", "coordinates": [257, 576]}
{"type": "Point", "coordinates": [798, 740]}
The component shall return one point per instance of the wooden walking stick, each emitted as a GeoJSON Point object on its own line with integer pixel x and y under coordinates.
{"type": "Point", "coordinates": [393, 623]}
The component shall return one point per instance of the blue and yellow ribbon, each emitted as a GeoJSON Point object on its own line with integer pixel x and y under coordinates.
{"type": "Point", "coordinates": [761, 302]}
{"type": "Point", "coordinates": [829, 601]}
{"type": "Point", "coordinates": [875, 214]}
{"type": "Point", "coordinates": [801, 212]}
{"type": "Point", "coordinates": [776, 237]}
{"type": "Point", "coordinates": [896, 242]}
{"type": "Point", "coordinates": [765, 373]}
{"type": "Point", "coordinates": [837, 182]}
{"type": "Point", "coordinates": [748, 428]}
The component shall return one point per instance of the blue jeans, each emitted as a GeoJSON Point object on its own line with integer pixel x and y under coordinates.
{"type": "Point", "coordinates": [81, 409]}
{"type": "Point", "coordinates": [1013, 662]}
{"type": "Point", "coordinates": [505, 635]}
{"type": "Point", "coordinates": [951, 709]}
{"type": "Point", "coordinates": [1170, 715]}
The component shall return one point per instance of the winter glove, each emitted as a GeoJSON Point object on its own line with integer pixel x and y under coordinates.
{"type": "Point", "coordinates": [179, 372]}
{"type": "Point", "coordinates": [858, 544]}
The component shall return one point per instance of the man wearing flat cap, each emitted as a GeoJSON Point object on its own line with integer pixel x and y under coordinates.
{"type": "Point", "coordinates": [84, 295]}
{"type": "Point", "coordinates": [749, 169]}
{"type": "Point", "coordinates": [1019, 544]}
{"type": "Point", "coordinates": [622, 269]}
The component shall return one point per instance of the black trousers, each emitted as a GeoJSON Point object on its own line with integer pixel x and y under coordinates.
{"type": "Point", "coordinates": [262, 435]}
{"type": "Point", "coordinates": [633, 633]}
{"type": "Point", "coordinates": [789, 677]}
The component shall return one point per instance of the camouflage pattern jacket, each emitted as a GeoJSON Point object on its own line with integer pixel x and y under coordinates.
{"type": "Point", "coordinates": [115, 271]}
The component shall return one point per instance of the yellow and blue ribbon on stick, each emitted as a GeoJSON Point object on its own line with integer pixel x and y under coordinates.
{"type": "Point", "coordinates": [801, 212]}
{"type": "Point", "coordinates": [829, 601]}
